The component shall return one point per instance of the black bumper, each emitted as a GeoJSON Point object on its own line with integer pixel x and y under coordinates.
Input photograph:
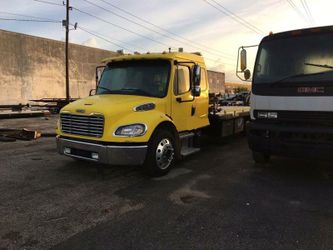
{"type": "Point", "coordinates": [291, 140]}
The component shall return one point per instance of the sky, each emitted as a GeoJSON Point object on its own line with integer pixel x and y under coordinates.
{"type": "Point", "coordinates": [216, 28]}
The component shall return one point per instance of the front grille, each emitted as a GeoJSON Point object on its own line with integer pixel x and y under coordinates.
{"type": "Point", "coordinates": [306, 115]}
{"type": "Point", "coordinates": [82, 125]}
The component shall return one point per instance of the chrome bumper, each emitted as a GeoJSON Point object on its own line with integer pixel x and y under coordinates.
{"type": "Point", "coordinates": [107, 154]}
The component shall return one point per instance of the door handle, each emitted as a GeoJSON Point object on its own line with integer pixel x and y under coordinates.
{"type": "Point", "coordinates": [180, 100]}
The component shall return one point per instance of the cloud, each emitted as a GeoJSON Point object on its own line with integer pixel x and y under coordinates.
{"type": "Point", "coordinates": [91, 42]}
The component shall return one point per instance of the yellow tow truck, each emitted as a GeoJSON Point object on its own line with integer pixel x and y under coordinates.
{"type": "Point", "coordinates": [147, 109]}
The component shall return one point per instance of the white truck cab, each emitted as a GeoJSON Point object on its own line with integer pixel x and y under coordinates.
{"type": "Point", "coordinates": [292, 95]}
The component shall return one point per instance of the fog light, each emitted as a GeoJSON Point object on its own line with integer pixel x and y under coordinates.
{"type": "Point", "coordinates": [67, 151]}
{"type": "Point", "coordinates": [94, 156]}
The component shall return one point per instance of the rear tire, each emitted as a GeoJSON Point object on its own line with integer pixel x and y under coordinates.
{"type": "Point", "coordinates": [161, 153]}
{"type": "Point", "coordinates": [260, 158]}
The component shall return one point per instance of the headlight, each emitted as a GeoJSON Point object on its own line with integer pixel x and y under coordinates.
{"type": "Point", "coordinates": [272, 115]}
{"type": "Point", "coordinates": [131, 130]}
{"type": "Point", "coordinates": [262, 115]}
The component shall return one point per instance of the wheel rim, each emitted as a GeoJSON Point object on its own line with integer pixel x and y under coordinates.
{"type": "Point", "coordinates": [164, 153]}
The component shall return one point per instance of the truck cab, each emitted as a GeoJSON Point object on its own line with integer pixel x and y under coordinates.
{"type": "Point", "coordinates": [292, 95]}
{"type": "Point", "coordinates": [148, 110]}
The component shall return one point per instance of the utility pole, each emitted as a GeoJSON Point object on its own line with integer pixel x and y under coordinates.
{"type": "Point", "coordinates": [66, 51]}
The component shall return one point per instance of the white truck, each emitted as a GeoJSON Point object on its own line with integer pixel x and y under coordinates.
{"type": "Point", "coordinates": [292, 95]}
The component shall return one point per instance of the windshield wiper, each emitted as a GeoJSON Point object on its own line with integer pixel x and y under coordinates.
{"type": "Point", "coordinates": [139, 91]}
{"type": "Point", "coordinates": [320, 65]}
{"type": "Point", "coordinates": [278, 82]}
{"type": "Point", "coordinates": [101, 87]}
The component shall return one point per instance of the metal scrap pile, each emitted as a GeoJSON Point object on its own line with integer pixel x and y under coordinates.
{"type": "Point", "coordinates": [10, 135]}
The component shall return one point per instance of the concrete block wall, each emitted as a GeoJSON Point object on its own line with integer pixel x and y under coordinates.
{"type": "Point", "coordinates": [33, 68]}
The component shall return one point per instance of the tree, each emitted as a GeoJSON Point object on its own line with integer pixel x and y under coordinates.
{"type": "Point", "coordinates": [240, 89]}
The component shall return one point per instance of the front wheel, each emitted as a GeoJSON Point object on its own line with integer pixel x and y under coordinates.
{"type": "Point", "coordinates": [161, 153]}
{"type": "Point", "coordinates": [260, 157]}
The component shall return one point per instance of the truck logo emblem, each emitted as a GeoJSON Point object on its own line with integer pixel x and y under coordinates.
{"type": "Point", "coordinates": [80, 111]}
{"type": "Point", "coordinates": [311, 90]}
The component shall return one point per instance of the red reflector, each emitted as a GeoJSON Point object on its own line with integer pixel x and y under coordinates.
{"type": "Point", "coordinates": [296, 32]}
{"type": "Point", "coordinates": [315, 30]}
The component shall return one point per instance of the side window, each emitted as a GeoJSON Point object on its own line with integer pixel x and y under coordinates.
{"type": "Point", "coordinates": [203, 83]}
{"type": "Point", "coordinates": [182, 80]}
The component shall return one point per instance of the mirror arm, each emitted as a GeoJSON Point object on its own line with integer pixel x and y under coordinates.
{"type": "Point", "coordinates": [96, 73]}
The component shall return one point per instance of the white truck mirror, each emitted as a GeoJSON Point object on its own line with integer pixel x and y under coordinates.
{"type": "Point", "coordinates": [243, 60]}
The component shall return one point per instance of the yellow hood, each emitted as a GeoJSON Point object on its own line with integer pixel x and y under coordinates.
{"type": "Point", "coordinates": [111, 105]}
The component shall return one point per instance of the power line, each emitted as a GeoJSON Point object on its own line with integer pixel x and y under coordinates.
{"type": "Point", "coordinates": [120, 27]}
{"type": "Point", "coordinates": [234, 16]}
{"type": "Point", "coordinates": [102, 38]}
{"type": "Point", "coordinates": [28, 20]}
{"type": "Point", "coordinates": [258, 30]}
{"type": "Point", "coordinates": [136, 23]}
{"type": "Point", "coordinates": [27, 16]}
{"type": "Point", "coordinates": [51, 3]}
{"type": "Point", "coordinates": [119, 41]}
{"type": "Point", "coordinates": [192, 44]}
{"type": "Point", "coordinates": [296, 9]}
{"type": "Point", "coordinates": [307, 11]}
{"type": "Point", "coordinates": [127, 19]}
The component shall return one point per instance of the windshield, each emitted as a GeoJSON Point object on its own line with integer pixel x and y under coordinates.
{"type": "Point", "coordinates": [307, 58]}
{"type": "Point", "coordinates": [144, 77]}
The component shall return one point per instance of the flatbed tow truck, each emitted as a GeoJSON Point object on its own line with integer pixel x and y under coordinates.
{"type": "Point", "coordinates": [148, 109]}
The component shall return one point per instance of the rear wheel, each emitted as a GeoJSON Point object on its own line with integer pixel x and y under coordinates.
{"type": "Point", "coordinates": [161, 153]}
{"type": "Point", "coordinates": [260, 157]}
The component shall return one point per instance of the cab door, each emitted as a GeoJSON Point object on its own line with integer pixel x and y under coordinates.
{"type": "Point", "coordinates": [182, 99]}
{"type": "Point", "coordinates": [200, 104]}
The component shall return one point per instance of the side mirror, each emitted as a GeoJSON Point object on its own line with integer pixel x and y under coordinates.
{"type": "Point", "coordinates": [196, 90]}
{"type": "Point", "coordinates": [196, 75]}
{"type": "Point", "coordinates": [243, 60]}
{"type": "Point", "coordinates": [92, 92]}
{"type": "Point", "coordinates": [99, 72]}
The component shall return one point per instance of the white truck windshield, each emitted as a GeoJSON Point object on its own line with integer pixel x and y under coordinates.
{"type": "Point", "coordinates": [305, 58]}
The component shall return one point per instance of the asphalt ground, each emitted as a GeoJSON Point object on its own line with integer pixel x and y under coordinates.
{"type": "Point", "coordinates": [216, 199]}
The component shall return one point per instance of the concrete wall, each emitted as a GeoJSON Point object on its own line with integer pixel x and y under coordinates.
{"type": "Point", "coordinates": [216, 82]}
{"type": "Point", "coordinates": [33, 67]}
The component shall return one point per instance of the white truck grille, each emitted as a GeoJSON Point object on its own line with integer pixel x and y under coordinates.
{"type": "Point", "coordinates": [82, 125]}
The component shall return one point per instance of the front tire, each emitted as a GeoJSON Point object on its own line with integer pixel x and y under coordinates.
{"type": "Point", "coordinates": [260, 158]}
{"type": "Point", "coordinates": [161, 153]}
